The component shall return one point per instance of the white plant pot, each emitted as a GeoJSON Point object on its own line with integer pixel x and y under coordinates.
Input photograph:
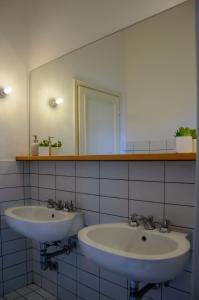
{"type": "Point", "coordinates": [194, 145]}
{"type": "Point", "coordinates": [183, 144]}
{"type": "Point", "coordinates": [55, 151]}
{"type": "Point", "coordinates": [44, 151]}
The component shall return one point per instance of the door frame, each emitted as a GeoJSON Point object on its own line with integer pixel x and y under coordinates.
{"type": "Point", "coordinates": [80, 83]}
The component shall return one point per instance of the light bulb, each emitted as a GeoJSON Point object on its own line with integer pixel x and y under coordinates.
{"type": "Point", "coordinates": [59, 101]}
{"type": "Point", "coordinates": [56, 101]}
{"type": "Point", "coordinates": [7, 90]}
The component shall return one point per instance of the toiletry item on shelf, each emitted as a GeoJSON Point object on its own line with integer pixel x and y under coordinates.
{"type": "Point", "coordinates": [44, 148]}
{"type": "Point", "coordinates": [194, 145]}
{"type": "Point", "coordinates": [194, 140]}
{"type": "Point", "coordinates": [55, 148]}
{"type": "Point", "coordinates": [183, 140]}
{"type": "Point", "coordinates": [35, 146]}
{"type": "Point", "coordinates": [50, 143]}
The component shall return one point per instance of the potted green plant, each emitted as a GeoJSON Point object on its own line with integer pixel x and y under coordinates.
{"type": "Point", "coordinates": [194, 139]}
{"type": "Point", "coordinates": [183, 140]}
{"type": "Point", "coordinates": [44, 148]}
{"type": "Point", "coordinates": [55, 148]}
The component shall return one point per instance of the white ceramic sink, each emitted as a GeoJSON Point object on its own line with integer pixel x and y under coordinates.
{"type": "Point", "coordinates": [43, 224]}
{"type": "Point", "coordinates": [142, 255]}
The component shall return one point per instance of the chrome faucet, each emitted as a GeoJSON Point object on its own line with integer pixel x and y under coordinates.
{"type": "Point", "coordinates": [51, 203]}
{"type": "Point", "coordinates": [58, 205]}
{"type": "Point", "coordinates": [68, 206]}
{"type": "Point", "coordinates": [136, 220]}
{"type": "Point", "coordinates": [149, 223]}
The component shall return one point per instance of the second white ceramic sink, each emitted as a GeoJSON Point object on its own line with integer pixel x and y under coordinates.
{"type": "Point", "coordinates": [142, 255]}
{"type": "Point", "coordinates": [43, 224]}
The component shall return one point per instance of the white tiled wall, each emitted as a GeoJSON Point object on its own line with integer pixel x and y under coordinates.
{"type": "Point", "coordinates": [15, 250]}
{"type": "Point", "coordinates": [110, 192]}
{"type": "Point", "coordinates": [156, 146]}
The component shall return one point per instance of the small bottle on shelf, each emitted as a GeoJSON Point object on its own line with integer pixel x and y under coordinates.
{"type": "Point", "coordinates": [35, 146]}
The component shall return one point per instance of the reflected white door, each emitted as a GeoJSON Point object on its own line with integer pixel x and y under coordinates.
{"type": "Point", "coordinates": [98, 113]}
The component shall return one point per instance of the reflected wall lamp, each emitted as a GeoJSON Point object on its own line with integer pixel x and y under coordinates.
{"type": "Point", "coordinates": [5, 91]}
{"type": "Point", "coordinates": [55, 102]}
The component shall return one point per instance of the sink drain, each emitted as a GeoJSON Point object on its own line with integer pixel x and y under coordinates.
{"type": "Point", "coordinates": [52, 215]}
{"type": "Point", "coordinates": [144, 238]}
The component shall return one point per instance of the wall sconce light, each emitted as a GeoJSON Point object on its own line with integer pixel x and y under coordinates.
{"type": "Point", "coordinates": [5, 91]}
{"type": "Point", "coordinates": [56, 101]}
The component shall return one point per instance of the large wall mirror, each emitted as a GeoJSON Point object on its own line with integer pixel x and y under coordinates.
{"type": "Point", "coordinates": [126, 92]}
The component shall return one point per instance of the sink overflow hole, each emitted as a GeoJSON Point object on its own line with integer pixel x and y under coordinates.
{"type": "Point", "coordinates": [53, 215]}
{"type": "Point", "coordinates": [144, 238]}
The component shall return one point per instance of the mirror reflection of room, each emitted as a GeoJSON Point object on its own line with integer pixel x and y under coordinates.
{"type": "Point", "coordinates": [150, 69]}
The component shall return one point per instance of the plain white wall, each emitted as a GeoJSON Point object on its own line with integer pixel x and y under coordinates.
{"type": "Point", "coordinates": [161, 74]}
{"type": "Point", "coordinates": [14, 129]}
{"type": "Point", "coordinates": [60, 26]}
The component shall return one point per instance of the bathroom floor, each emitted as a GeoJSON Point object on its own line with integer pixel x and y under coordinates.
{"type": "Point", "coordinates": [30, 292]}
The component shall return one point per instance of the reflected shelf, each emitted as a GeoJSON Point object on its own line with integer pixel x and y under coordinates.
{"type": "Point", "coordinates": [113, 157]}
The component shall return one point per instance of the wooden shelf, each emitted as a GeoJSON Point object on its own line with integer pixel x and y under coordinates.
{"type": "Point", "coordinates": [112, 157]}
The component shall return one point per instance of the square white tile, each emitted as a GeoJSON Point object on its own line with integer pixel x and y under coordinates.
{"type": "Point", "coordinates": [65, 196]}
{"type": "Point", "coordinates": [88, 279]}
{"type": "Point", "coordinates": [87, 265]}
{"type": "Point", "coordinates": [90, 217]}
{"type": "Point", "coordinates": [114, 188]}
{"type": "Point", "coordinates": [87, 293]}
{"type": "Point", "coordinates": [182, 282]}
{"type": "Point", "coordinates": [113, 277]}
{"type": "Point", "coordinates": [45, 194]}
{"type": "Point", "coordinates": [146, 170]}
{"type": "Point", "coordinates": [114, 206]}
{"type": "Point", "coordinates": [87, 169]}
{"type": "Point", "coordinates": [65, 294]}
{"type": "Point", "coordinates": [87, 202]}
{"type": "Point", "coordinates": [180, 193]}
{"type": "Point", "coordinates": [47, 181]}
{"type": "Point", "coordinates": [173, 294]}
{"type": "Point", "coordinates": [65, 183]}
{"type": "Point", "coordinates": [146, 209]}
{"type": "Point", "coordinates": [47, 167]}
{"type": "Point", "coordinates": [180, 215]}
{"type": "Point", "coordinates": [67, 270]}
{"type": "Point", "coordinates": [147, 191]}
{"type": "Point", "coordinates": [141, 146]}
{"type": "Point", "coordinates": [112, 290]}
{"type": "Point", "coordinates": [104, 218]}
{"type": "Point", "coordinates": [34, 167]}
{"type": "Point", "coordinates": [114, 169]}
{"type": "Point", "coordinates": [159, 145]}
{"type": "Point", "coordinates": [87, 185]}
{"type": "Point", "coordinates": [180, 171]}
{"type": "Point", "coordinates": [65, 168]}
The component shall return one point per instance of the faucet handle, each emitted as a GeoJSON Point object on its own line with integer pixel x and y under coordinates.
{"type": "Point", "coordinates": [71, 206]}
{"type": "Point", "coordinates": [151, 218]}
{"type": "Point", "coordinates": [164, 226]}
{"type": "Point", "coordinates": [51, 203]}
{"type": "Point", "coordinates": [59, 205]}
{"type": "Point", "coordinates": [66, 206]}
{"type": "Point", "coordinates": [151, 222]}
{"type": "Point", "coordinates": [133, 220]}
